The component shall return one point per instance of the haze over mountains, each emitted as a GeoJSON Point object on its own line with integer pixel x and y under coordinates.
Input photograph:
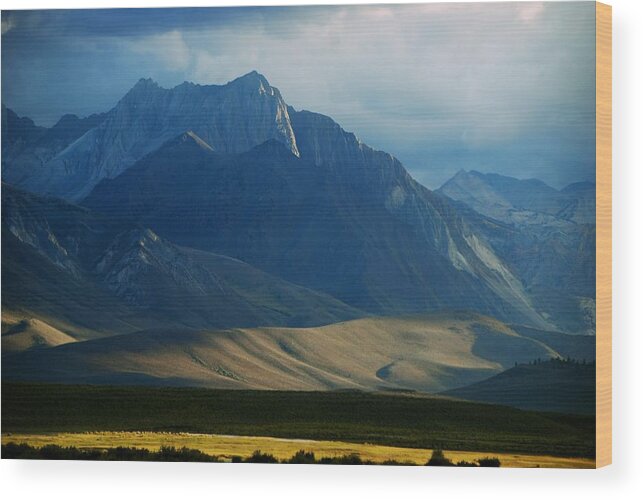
{"type": "Point", "coordinates": [522, 201]}
{"type": "Point", "coordinates": [184, 212]}
{"type": "Point", "coordinates": [554, 248]}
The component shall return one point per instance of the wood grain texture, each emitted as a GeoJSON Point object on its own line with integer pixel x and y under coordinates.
{"type": "Point", "coordinates": [603, 234]}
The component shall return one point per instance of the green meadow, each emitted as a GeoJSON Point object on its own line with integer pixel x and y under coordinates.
{"type": "Point", "coordinates": [406, 420]}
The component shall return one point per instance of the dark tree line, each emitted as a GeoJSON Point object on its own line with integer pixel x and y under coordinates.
{"type": "Point", "coordinates": [172, 454]}
{"type": "Point", "coordinates": [439, 460]}
{"type": "Point", "coordinates": [559, 362]}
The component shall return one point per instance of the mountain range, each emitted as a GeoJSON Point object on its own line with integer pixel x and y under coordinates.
{"type": "Point", "coordinates": [523, 202]}
{"type": "Point", "coordinates": [554, 248]}
{"type": "Point", "coordinates": [186, 212]}
{"type": "Point", "coordinates": [79, 271]}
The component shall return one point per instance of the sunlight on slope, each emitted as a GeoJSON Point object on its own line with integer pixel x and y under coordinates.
{"type": "Point", "coordinates": [428, 353]}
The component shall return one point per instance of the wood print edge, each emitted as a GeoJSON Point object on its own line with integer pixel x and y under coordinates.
{"type": "Point", "coordinates": [603, 234]}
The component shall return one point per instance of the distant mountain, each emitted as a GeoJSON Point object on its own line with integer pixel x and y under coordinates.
{"type": "Point", "coordinates": [233, 170]}
{"type": "Point", "coordinates": [28, 147]}
{"type": "Point", "coordinates": [427, 353]}
{"type": "Point", "coordinates": [579, 202]}
{"type": "Point", "coordinates": [17, 134]}
{"type": "Point", "coordinates": [554, 385]}
{"type": "Point", "coordinates": [355, 226]}
{"type": "Point", "coordinates": [88, 276]}
{"type": "Point", "coordinates": [231, 118]}
{"type": "Point", "coordinates": [553, 250]}
{"type": "Point", "coordinates": [214, 235]}
{"type": "Point", "coordinates": [522, 201]}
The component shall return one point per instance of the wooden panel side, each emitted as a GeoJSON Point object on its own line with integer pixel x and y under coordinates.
{"type": "Point", "coordinates": [603, 234]}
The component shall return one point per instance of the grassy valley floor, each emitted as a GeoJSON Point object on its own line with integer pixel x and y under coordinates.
{"type": "Point", "coordinates": [378, 426]}
{"type": "Point", "coordinates": [227, 447]}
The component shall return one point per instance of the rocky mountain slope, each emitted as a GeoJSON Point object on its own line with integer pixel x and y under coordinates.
{"type": "Point", "coordinates": [214, 235]}
{"type": "Point", "coordinates": [358, 228]}
{"type": "Point", "coordinates": [87, 275]}
{"type": "Point", "coordinates": [233, 170]}
{"type": "Point", "coordinates": [553, 250]}
{"type": "Point", "coordinates": [318, 196]}
{"type": "Point", "coordinates": [27, 147]}
{"type": "Point", "coordinates": [17, 134]}
{"type": "Point", "coordinates": [231, 118]}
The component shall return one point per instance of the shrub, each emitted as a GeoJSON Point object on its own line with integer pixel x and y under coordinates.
{"type": "Point", "coordinates": [302, 457]}
{"type": "Point", "coordinates": [21, 451]}
{"type": "Point", "coordinates": [395, 462]}
{"type": "Point", "coordinates": [172, 454]}
{"type": "Point", "coordinates": [123, 454]}
{"type": "Point", "coordinates": [55, 452]}
{"type": "Point", "coordinates": [261, 458]}
{"type": "Point", "coordinates": [438, 459]}
{"type": "Point", "coordinates": [489, 462]}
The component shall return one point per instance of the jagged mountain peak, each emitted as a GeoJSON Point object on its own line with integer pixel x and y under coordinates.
{"type": "Point", "coordinates": [230, 119]}
{"type": "Point", "coordinates": [146, 83]}
{"type": "Point", "coordinates": [363, 229]}
{"type": "Point", "coordinates": [142, 87]}
{"type": "Point", "coordinates": [9, 115]}
{"type": "Point", "coordinates": [66, 119]}
{"type": "Point", "coordinates": [251, 78]}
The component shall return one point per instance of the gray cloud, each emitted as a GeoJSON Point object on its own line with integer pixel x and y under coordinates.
{"type": "Point", "coordinates": [496, 86]}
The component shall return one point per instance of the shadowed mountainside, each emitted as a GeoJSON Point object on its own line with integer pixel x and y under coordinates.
{"type": "Point", "coordinates": [555, 385]}
{"type": "Point", "coordinates": [364, 232]}
{"type": "Point", "coordinates": [232, 169]}
{"type": "Point", "coordinates": [212, 218]}
{"type": "Point", "coordinates": [89, 276]}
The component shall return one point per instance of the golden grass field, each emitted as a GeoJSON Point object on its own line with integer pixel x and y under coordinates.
{"type": "Point", "coordinates": [228, 446]}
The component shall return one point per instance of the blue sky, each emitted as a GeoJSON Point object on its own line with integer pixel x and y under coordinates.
{"type": "Point", "coordinates": [495, 87]}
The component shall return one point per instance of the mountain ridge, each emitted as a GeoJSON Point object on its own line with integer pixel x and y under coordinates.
{"type": "Point", "coordinates": [59, 259]}
{"type": "Point", "coordinates": [514, 200]}
{"type": "Point", "coordinates": [230, 118]}
{"type": "Point", "coordinates": [359, 227]}
{"type": "Point", "coordinates": [337, 213]}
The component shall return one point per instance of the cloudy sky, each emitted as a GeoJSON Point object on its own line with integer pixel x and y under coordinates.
{"type": "Point", "coordinates": [495, 87]}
